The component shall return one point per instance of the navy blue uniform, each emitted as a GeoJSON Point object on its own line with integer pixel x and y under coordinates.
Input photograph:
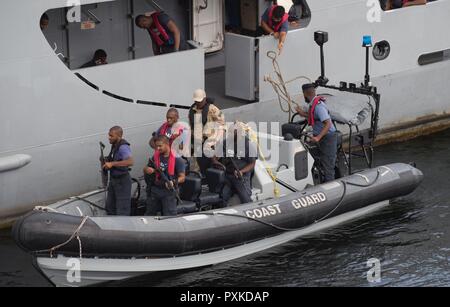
{"type": "Point", "coordinates": [163, 200]}
{"type": "Point", "coordinates": [118, 201]}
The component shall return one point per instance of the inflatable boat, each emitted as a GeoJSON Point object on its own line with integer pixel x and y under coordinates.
{"type": "Point", "coordinates": [75, 234]}
{"type": "Point", "coordinates": [74, 243]}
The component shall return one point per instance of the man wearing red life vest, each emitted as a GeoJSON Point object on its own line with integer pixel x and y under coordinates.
{"type": "Point", "coordinates": [170, 171]}
{"type": "Point", "coordinates": [275, 21]}
{"type": "Point", "coordinates": [175, 131]}
{"type": "Point", "coordinates": [324, 131]}
{"type": "Point", "coordinates": [165, 35]}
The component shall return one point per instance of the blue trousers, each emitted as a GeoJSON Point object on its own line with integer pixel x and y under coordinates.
{"type": "Point", "coordinates": [241, 187]}
{"type": "Point", "coordinates": [328, 152]}
{"type": "Point", "coordinates": [161, 200]}
{"type": "Point", "coordinates": [118, 201]}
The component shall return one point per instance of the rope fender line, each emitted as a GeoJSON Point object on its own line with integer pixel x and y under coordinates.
{"type": "Point", "coordinates": [74, 235]}
{"type": "Point", "coordinates": [340, 202]}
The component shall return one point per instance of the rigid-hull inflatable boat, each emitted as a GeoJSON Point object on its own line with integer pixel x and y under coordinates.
{"type": "Point", "coordinates": [73, 236]}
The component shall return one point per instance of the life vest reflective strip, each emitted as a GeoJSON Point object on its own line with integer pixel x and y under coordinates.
{"type": "Point", "coordinates": [171, 167]}
{"type": "Point", "coordinates": [163, 37]}
{"type": "Point", "coordinates": [312, 109]}
{"type": "Point", "coordinates": [165, 127]}
{"type": "Point", "coordinates": [276, 27]}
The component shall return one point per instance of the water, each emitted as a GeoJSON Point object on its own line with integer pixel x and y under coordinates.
{"type": "Point", "coordinates": [411, 238]}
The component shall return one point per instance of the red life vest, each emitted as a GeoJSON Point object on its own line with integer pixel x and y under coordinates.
{"type": "Point", "coordinates": [312, 109]}
{"type": "Point", "coordinates": [175, 134]}
{"type": "Point", "coordinates": [170, 169]}
{"type": "Point", "coordinates": [276, 27]}
{"type": "Point", "coordinates": [156, 28]}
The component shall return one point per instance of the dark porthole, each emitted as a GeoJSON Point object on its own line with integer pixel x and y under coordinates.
{"type": "Point", "coordinates": [381, 50]}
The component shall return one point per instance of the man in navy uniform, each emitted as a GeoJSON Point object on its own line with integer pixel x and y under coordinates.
{"type": "Point", "coordinates": [324, 131]}
{"type": "Point", "coordinates": [170, 172]}
{"type": "Point", "coordinates": [239, 160]}
{"type": "Point", "coordinates": [119, 162]}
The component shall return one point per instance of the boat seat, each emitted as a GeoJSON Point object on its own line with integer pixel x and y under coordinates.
{"type": "Point", "coordinates": [191, 189]}
{"type": "Point", "coordinates": [189, 193]}
{"type": "Point", "coordinates": [216, 182]}
{"type": "Point", "coordinates": [187, 207]}
{"type": "Point", "coordinates": [209, 198]}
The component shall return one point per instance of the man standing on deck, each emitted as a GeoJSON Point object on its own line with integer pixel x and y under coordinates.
{"type": "Point", "coordinates": [119, 162]}
{"type": "Point", "coordinates": [170, 172]}
{"type": "Point", "coordinates": [324, 131]}
{"type": "Point", "coordinates": [166, 36]}
{"type": "Point", "coordinates": [275, 21]}
{"type": "Point", "coordinates": [207, 127]}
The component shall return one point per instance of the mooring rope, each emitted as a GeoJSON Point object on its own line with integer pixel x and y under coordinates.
{"type": "Point", "coordinates": [280, 86]}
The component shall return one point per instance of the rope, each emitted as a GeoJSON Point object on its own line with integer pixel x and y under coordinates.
{"type": "Point", "coordinates": [341, 201]}
{"type": "Point", "coordinates": [280, 86]}
{"type": "Point", "coordinates": [74, 235]}
{"type": "Point", "coordinates": [345, 183]}
{"type": "Point", "coordinates": [254, 138]}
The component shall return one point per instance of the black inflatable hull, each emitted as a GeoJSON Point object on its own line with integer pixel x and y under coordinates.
{"type": "Point", "coordinates": [148, 237]}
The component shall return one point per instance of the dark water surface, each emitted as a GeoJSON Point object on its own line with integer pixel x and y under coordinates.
{"type": "Point", "coordinates": [411, 238]}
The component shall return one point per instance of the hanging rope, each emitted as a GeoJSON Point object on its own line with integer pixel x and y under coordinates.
{"type": "Point", "coordinates": [254, 139]}
{"type": "Point", "coordinates": [287, 104]}
{"type": "Point", "coordinates": [75, 234]}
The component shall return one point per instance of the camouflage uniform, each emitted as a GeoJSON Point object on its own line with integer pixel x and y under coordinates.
{"type": "Point", "coordinates": [209, 136]}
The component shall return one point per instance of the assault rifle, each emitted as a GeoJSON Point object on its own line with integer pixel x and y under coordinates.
{"type": "Point", "coordinates": [102, 164]}
{"type": "Point", "coordinates": [166, 180]}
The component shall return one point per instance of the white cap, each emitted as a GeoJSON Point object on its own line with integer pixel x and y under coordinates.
{"type": "Point", "coordinates": [199, 95]}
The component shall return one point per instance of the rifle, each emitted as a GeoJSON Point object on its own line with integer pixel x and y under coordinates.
{"type": "Point", "coordinates": [165, 180]}
{"type": "Point", "coordinates": [236, 169]}
{"type": "Point", "coordinates": [102, 164]}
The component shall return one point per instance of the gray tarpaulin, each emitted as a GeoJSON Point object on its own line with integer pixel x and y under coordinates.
{"type": "Point", "coordinates": [347, 108]}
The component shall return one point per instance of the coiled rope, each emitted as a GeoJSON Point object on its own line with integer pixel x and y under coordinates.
{"type": "Point", "coordinates": [280, 86]}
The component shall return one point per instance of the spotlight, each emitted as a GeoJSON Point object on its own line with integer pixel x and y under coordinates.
{"type": "Point", "coordinates": [320, 37]}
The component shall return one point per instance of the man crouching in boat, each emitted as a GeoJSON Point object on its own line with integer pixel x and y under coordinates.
{"type": "Point", "coordinates": [170, 172]}
{"type": "Point", "coordinates": [324, 131]}
{"type": "Point", "coordinates": [238, 161]}
{"type": "Point", "coordinates": [119, 162]}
